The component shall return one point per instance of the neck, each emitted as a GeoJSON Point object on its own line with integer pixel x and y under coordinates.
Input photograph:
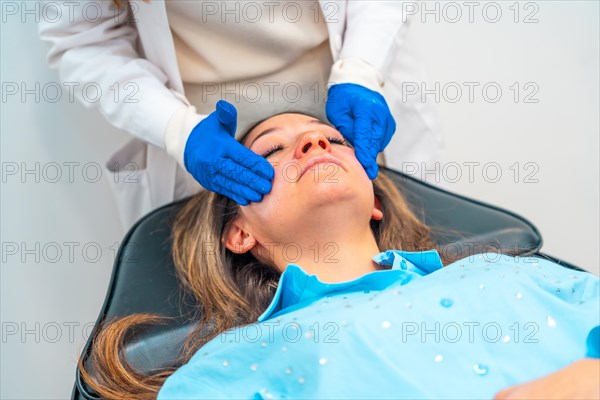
{"type": "Point", "coordinates": [333, 252]}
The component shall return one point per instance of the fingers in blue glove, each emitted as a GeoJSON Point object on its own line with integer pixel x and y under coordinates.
{"type": "Point", "coordinates": [365, 150]}
{"type": "Point", "coordinates": [245, 176]}
{"type": "Point", "coordinates": [232, 188]}
{"type": "Point", "coordinates": [346, 100]}
{"type": "Point", "coordinates": [223, 165]}
{"type": "Point", "coordinates": [390, 128]}
{"type": "Point", "coordinates": [233, 196]}
{"type": "Point", "coordinates": [256, 163]}
{"type": "Point", "coordinates": [367, 161]}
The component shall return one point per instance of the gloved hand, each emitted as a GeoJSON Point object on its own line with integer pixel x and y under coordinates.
{"type": "Point", "coordinates": [221, 164]}
{"type": "Point", "coordinates": [364, 119]}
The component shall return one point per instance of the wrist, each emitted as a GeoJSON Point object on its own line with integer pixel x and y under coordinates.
{"type": "Point", "coordinates": [179, 128]}
{"type": "Point", "coordinates": [357, 71]}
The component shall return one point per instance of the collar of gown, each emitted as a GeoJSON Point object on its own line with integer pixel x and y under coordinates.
{"type": "Point", "coordinates": [296, 287]}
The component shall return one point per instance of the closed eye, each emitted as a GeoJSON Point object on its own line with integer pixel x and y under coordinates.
{"type": "Point", "coordinates": [343, 142]}
{"type": "Point", "coordinates": [276, 147]}
{"type": "Point", "coordinates": [337, 140]}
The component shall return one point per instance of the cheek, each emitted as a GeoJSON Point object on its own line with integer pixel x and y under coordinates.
{"type": "Point", "coordinates": [286, 172]}
{"type": "Point", "coordinates": [281, 196]}
{"type": "Point", "coordinates": [353, 164]}
{"type": "Point", "coordinates": [272, 203]}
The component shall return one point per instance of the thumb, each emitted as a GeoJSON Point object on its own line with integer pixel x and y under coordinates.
{"type": "Point", "coordinates": [227, 116]}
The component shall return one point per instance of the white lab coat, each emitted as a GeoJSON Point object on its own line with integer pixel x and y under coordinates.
{"type": "Point", "coordinates": [109, 50]}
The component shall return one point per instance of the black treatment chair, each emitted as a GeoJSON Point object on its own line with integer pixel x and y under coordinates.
{"type": "Point", "coordinates": [143, 277]}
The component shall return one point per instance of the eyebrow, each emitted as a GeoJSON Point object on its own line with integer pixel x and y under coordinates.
{"type": "Point", "coordinates": [276, 128]}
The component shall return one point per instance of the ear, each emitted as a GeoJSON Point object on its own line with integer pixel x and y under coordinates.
{"type": "Point", "coordinates": [237, 239]}
{"type": "Point", "coordinates": [377, 213]}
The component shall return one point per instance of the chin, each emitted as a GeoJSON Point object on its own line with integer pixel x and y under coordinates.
{"type": "Point", "coordinates": [325, 192]}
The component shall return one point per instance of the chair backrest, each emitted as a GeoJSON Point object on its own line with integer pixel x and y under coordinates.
{"type": "Point", "coordinates": [143, 277]}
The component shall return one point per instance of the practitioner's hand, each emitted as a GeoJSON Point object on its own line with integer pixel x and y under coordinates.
{"type": "Point", "coordinates": [363, 117]}
{"type": "Point", "coordinates": [579, 380]}
{"type": "Point", "coordinates": [221, 164]}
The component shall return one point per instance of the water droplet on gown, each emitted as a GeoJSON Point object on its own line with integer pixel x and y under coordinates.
{"type": "Point", "coordinates": [551, 321]}
{"type": "Point", "coordinates": [506, 339]}
{"type": "Point", "coordinates": [519, 295]}
{"type": "Point", "coordinates": [439, 358]}
{"type": "Point", "coordinates": [386, 324]}
{"type": "Point", "coordinates": [254, 367]}
{"type": "Point", "coordinates": [322, 361]}
{"type": "Point", "coordinates": [480, 369]}
{"type": "Point", "coordinates": [288, 371]}
{"type": "Point", "coordinates": [225, 363]}
{"type": "Point", "coordinates": [482, 286]}
{"type": "Point", "coordinates": [446, 302]}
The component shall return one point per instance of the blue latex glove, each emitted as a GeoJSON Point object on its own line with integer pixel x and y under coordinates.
{"type": "Point", "coordinates": [364, 119]}
{"type": "Point", "coordinates": [221, 164]}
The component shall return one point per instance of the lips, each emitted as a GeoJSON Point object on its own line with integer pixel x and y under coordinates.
{"type": "Point", "coordinates": [318, 160]}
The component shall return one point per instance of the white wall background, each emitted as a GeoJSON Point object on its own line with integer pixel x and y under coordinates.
{"type": "Point", "coordinates": [555, 140]}
{"type": "Point", "coordinates": [48, 307]}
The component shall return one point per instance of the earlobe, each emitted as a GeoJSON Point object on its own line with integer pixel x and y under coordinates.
{"type": "Point", "coordinates": [238, 240]}
{"type": "Point", "coordinates": [377, 213]}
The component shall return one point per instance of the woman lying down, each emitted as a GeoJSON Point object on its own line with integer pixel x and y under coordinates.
{"type": "Point", "coordinates": [368, 309]}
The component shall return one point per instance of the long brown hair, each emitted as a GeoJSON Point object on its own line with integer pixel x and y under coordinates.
{"type": "Point", "coordinates": [232, 290]}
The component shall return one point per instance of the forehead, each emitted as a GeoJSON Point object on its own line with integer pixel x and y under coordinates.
{"type": "Point", "coordinates": [279, 121]}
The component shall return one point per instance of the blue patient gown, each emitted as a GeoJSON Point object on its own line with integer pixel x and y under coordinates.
{"type": "Point", "coordinates": [416, 330]}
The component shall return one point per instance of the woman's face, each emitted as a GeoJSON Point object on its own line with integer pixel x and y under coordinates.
{"type": "Point", "coordinates": [316, 176]}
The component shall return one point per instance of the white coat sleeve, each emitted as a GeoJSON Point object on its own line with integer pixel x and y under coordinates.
{"type": "Point", "coordinates": [102, 54]}
{"type": "Point", "coordinates": [369, 42]}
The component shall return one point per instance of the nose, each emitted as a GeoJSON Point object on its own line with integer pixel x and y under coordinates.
{"type": "Point", "coordinates": [312, 142]}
